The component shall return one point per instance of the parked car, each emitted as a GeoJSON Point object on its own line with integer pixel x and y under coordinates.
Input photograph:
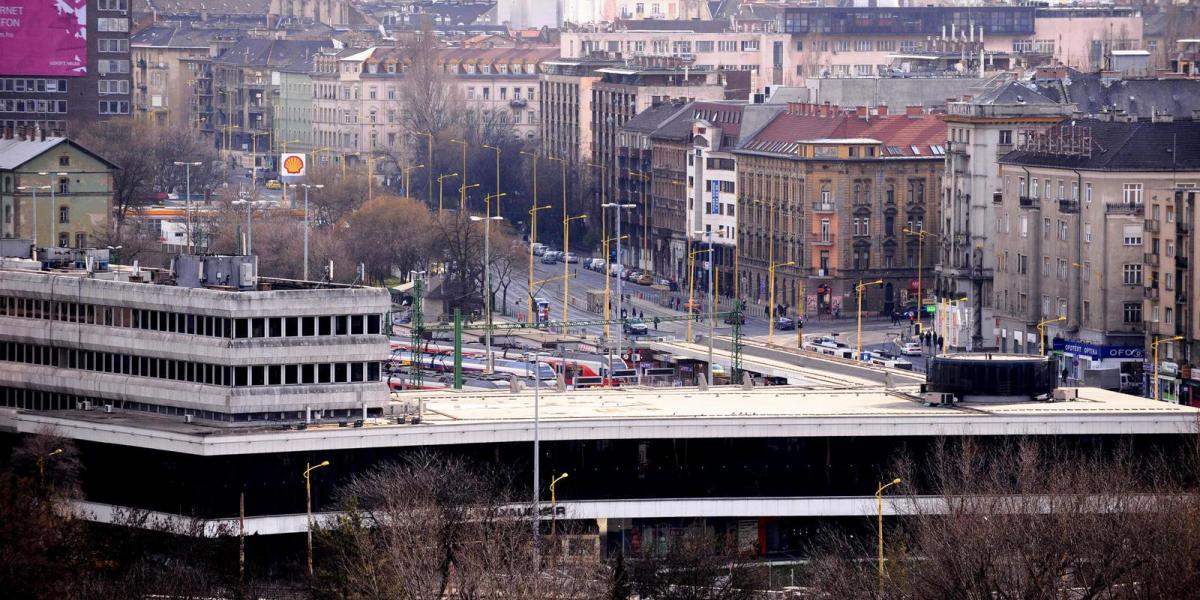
{"type": "Point", "coordinates": [645, 279]}
{"type": "Point", "coordinates": [785, 323]}
{"type": "Point", "coordinates": [692, 307]}
{"type": "Point", "coordinates": [635, 327]}
{"type": "Point", "coordinates": [570, 258]}
{"type": "Point", "coordinates": [909, 348]}
{"type": "Point", "coordinates": [274, 184]}
{"type": "Point", "coordinates": [595, 264]}
{"type": "Point", "coordinates": [671, 285]}
{"type": "Point", "coordinates": [539, 249]}
{"type": "Point", "coordinates": [548, 259]}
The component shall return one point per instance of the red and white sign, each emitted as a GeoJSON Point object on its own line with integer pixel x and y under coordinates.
{"type": "Point", "coordinates": [45, 37]}
{"type": "Point", "coordinates": [292, 165]}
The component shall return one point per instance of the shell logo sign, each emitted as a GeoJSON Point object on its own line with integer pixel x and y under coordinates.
{"type": "Point", "coordinates": [292, 165]}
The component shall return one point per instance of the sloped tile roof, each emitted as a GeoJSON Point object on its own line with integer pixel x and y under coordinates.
{"type": "Point", "coordinates": [1124, 146]}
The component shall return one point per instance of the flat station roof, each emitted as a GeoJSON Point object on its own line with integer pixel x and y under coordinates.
{"type": "Point", "coordinates": [646, 413]}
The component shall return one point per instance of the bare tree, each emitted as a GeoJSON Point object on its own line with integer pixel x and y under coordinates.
{"type": "Point", "coordinates": [1030, 519]}
{"type": "Point", "coordinates": [433, 528]}
{"type": "Point", "coordinates": [390, 235]}
{"type": "Point", "coordinates": [698, 565]}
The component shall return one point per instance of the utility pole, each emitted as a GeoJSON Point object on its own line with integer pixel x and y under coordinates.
{"type": "Point", "coordinates": [418, 324]}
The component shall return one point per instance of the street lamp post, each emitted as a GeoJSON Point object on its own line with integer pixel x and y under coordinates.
{"type": "Point", "coordinates": [306, 187]}
{"type": "Point", "coordinates": [621, 332]}
{"type": "Point", "coordinates": [462, 200]}
{"type": "Point", "coordinates": [920, 233]}
{"type": "Point", "coordinates": [248, 246]}
{"type": "Point", "coordinates": [308, 509]}
{"type": "Point", "coordinates": [712, 300]}
{"type": "Point", "coordinates": [554, 504]}
{"type": "Point", "coordinates": [462, 189]}
{"type": "Point", "coordinates": [408, 178]}
{"type": "Point", "coordinates": [879, 501]}
{"type": "Point", "coordinates": [496, 192]}
{"type": "Point", "coordinates": [1154, 346]}
{"type": "Point", "coordinates": [54, 218]}
{"type": "Point", "coordinates": [533, 212]}
{"type": "Point", "coordinates": [567, 280]}
{"type": "Point", "coordinates": [771, 282]}
{"type": "Point", "coordinates": [1041, 328]}
{"type": "Point", "coordinates": [442, 178]}
{"type": "Point", "coordinates": [692, 287]}
{"type": "Point", "coordinates": [859, 288]}
{"type": "Point", "coordinates": [35, 188]}
{"type": "Point", "coordinates": [187, 169]}
{"type": "Point", "coordinates": [487, 278]}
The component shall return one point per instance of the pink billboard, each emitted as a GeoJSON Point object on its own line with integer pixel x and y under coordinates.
{"type": "Point", "coordinates": [43, 37]}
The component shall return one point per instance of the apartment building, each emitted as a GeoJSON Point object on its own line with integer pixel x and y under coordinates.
{"type": "Point", "coordinates": [162, 79]}
{"type": "Point", "coordinates": [1170, 310]}
{"type": "Point", "coordinates": [359, 97]}
{"type": "Point", "coordinates": [245, 91]}
{"type": "Point", "coordinates": [635, 182]}
{"type": "Point", "coordinates": [980, 130]}
{"type": "Point", "coordinates": [208, 340]}
{"type": "Point", "coordinates": [826, 196]}
{"type": "Point", "coordinates": [862, 41]}
{"type": "Point", "coordinates": [709, 45]}
{"type": "Point", "coordinates": [53, 191]}
{"type": "Point", "coordinates": [565, 89]}
{"type": "Point", "coordinates": [625, 91]}
{"type": "Point", "coordinates": [65, 65]}
{"type": "Point", "coordinates": [1078, 251]}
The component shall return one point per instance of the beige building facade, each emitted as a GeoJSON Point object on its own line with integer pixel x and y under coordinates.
{"type": "Point", "coordinates": [73, 188]}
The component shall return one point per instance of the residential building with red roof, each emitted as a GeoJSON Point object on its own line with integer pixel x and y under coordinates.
{"type": "Point", "coordinates": [828, 197]}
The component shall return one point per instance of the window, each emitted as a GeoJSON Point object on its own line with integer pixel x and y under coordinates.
{"type": "Point", "coordinates": [64, 214]}
{"type": "Point", "coordinates": [64, 186]}
{"type": "Point", "coordinates": [1046, 227]}
{"type": "Point", "coordinates": [1132, 193]}
{"type": "Point", "coordinates": [64, 160]}
{"type": "Point", "coordinates": [113, 86]}
{"type": "Point", "coordinates": [111, 45]}
{"type": "Point", "coordinates": [1169, 315]}
{"type": "Point", "coordinates": [1062, 230]}
{"type": "Point", "coordinates": [81, 240]}
{"type": "Point", "coordinates": [1132, 312]}
{"type": "Point", "coordinates": [1131, 274]}
{"type": "Point", "coordinates": [1133, 235]}
{"type": "Point", "coordinates": [112, 24]}
{"type": "Point", "coordinates": [112, 4]}
{"type": "Point", "coordinates": [1045, 266]}
{"type": "Point", "coordinates": [1024, 226]}
{"type": "Point", "coordinates": [64, 239]}
{"type": "Point", "coordinates": [1087, 193]}
{"type": "Point", "coordinates": [113, 66]}
{"type": "Point", "coordinates": [1062, 268]}
{"type": "Point", "coordinates": [1005, 137]}
{"type": "Point", "coordinates": [749, 45]}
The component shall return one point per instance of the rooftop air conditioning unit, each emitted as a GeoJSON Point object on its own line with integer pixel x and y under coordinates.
{"type": "Point", "coordinates": [108, 408]}
{"type": "Point", "coordinates": [188, 418]}
{"type": "Point", "coordinates": [939, 399]}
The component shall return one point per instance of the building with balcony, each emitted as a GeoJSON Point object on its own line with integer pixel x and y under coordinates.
{"type": "Point", "coordinates": [646, 225]}
{"type": "Point", "coordinates": [825, 195]}
{"type": "Point", "coordinates": [1087, 231]}
{"type": "Point", "coordinates": [163, 84]}
{"type": "Point", "coordinates": [207, 341]}
{"type": "Point", "coordinates": [65, 207]}
{"type": "Point", "coordinates": [980, 130]}
{"type": "Point", "coordinates": [245, 89]}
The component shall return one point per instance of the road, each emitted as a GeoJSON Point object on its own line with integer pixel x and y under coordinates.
{"type": "Point", "coordinates": [878, 333]}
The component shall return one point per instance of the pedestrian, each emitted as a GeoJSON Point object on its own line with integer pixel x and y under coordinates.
{"type": "Point", "coordinates": [1065, 374]}
{"type": "Point", "coordinates": [656, 323]}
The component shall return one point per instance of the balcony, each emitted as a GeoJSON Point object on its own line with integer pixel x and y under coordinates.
{"type": "Point", "coordinates": [1151, 259]}
{"type": "Point", "coordinates": [822, 207]}
{"type": "Point", "coordinates": [1066, 205]}
{"type": "Point", "coordinates": [1028, 202]}
{"type": "Point", "coordinates": [823, 241]}
{"type": "Point", "coordinates": [1182, 227]}
{"type": "Point", "coordinates": [1151, 226]}
{"type": "Point", "coordinates": [1181, 262]}
{"type": "Point", "coordinates": [1124, 208]}
{"type": "Point", "coordinates": [518, 103]}
{"type": "Point", "coordinates": [1150, 293]}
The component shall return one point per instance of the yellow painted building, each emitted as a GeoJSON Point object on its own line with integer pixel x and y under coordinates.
{"type": "Point", "coordinates": [72, 185]}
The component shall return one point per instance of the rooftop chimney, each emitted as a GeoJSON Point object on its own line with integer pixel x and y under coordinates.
{"type": "Point", "coordinates": [881, 110]}
{"type": "Point", "coordinates": [914, 111]}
